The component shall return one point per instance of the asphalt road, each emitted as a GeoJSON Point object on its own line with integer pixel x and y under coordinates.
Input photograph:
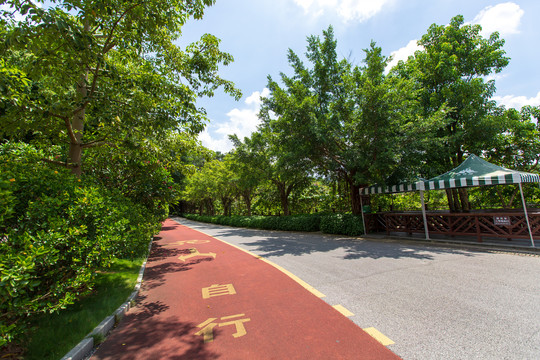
{"type": "Point", "coordinates": [434, 302]}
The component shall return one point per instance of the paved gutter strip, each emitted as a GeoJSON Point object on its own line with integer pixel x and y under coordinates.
{"type": "Point", "coordinates": [85, 348]}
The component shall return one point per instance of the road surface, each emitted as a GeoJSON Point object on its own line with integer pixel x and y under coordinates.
{"type": "Point", "coordinates": [433, 302]}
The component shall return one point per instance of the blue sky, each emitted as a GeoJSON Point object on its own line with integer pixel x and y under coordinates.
{"type": "Point", "coordinates": [259, 32]}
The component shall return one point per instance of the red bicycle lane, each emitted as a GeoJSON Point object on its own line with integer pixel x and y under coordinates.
{"type": "Point", "coordinates": [204, 299]}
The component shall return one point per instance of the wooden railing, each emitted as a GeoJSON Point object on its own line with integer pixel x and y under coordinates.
{"type": "Point", "coordinates": [508, 224]}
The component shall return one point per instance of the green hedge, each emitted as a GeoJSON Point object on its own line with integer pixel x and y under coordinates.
{"type": "Point", "coordinates": [344, 224]}
{"type": "Point", "coordinates": [290, 223]}
{"type": "Point", "coordinates": [55, 231]}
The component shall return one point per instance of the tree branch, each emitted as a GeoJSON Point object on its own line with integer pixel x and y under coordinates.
{"type": "Point", "coordinates": [97, 143]}
{"type": "Point", "coordinates": [61, 163]}
{"type": "Point", "coordinates": [69, 128]}
{"type": "Point", "coordinates": [109, 44]}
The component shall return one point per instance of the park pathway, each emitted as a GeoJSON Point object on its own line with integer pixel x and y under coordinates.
{"type": "Point", "coordinates": [202, 298]}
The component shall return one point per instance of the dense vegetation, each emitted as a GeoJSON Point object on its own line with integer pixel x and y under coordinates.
{"type": "Point", "coordinates": [332, 127]}
{"type": "Point", "coordinates": [98, 120]}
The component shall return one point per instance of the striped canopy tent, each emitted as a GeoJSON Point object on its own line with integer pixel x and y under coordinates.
{"type": "Point", "coordinates": [474, 171]}
{"type": "Point", "coordinates": [404, 187]}
{"type": "Point", "coordinates": [478, 172]}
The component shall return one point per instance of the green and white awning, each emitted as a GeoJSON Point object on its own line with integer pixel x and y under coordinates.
{"type": "Point", "coordinates": [377, 189]}
{"type": "Point", "coordinates": [472, 172]}
{"type": "Point", "coordinates": [478, 172]}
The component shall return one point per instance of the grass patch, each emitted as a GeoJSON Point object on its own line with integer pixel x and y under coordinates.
{"type": "Point", "coordinates": [56, 334]}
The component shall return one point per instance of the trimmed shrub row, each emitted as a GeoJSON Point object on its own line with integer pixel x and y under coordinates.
{"type": "Point", "coordinates": [342, 224]}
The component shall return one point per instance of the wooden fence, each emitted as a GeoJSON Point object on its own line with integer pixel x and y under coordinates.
{"type": "Point", "coordinates": [501, 224]}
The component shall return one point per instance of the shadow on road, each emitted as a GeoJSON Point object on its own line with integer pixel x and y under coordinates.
{"type": "Point", "coordinates": [145, 328]}
{"type": "Point", "coordinates": [279, 243]}
{"type": "Point", "coordinates": [163, 260]}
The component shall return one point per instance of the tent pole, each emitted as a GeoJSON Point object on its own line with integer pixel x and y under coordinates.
{"type": "Point", "coordinates": [526, 214]}
{"type": "Point", "coordinates": [424, 214]}
{"type": "Point", "coordinates": [362, 209]}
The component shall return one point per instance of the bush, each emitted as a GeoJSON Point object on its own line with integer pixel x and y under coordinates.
{"type": "Point", "coordinates": [343, 224]}
{"type": "Point", "coordinates": [56, 230]}
{"type": "Point", "coordinates": [289, 223]}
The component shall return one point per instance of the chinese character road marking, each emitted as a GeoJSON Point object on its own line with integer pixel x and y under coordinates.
{"type": "Point", "coordinates": [208, 330]}
{"type": "Point", "coordinates": [208, 326]}
{"type": "Point", "coordinates": [183, 242]}
{"type": "Point", "coordinates": [218, 290]}
{"type": "Point", "coordinates": [195, 253]}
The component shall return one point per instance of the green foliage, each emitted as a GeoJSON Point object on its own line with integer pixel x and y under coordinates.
{"type": "Point", "coordinates": [102, 72]}
{"type": "Point", "coordinates": [289, 223]}
{"type": "Point", "coordinates": [270, 159]}
{"type": "Point", "coordinates": [354, 123]}
{"type": "Point", "coordinates": [343, 224]}
{"type": "Point", "coordinates": [138, 175]}
{"type": "Point", "coordinates": [57, 230]}
{"type": "Point", "coordinates": [449, 73]}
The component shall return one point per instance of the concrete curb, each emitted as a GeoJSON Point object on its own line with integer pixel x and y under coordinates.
{"type": "Point", "coordinates": [85, 347]}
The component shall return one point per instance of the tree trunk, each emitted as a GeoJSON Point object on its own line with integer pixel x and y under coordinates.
{"type": "Point", "coordinates": [464, 198]}
{"type": "Point", "coordinates": [284, 198]}
{"type": "Point", "coordinates": [457, 204]}
{"type": "Point", "coordinates": [227, 205]}
{"type": "Point", "coordinates": [77, 124]}
{"type": "Point", "coordinates": [247, 200]}
{"type": "Point", "coordinates": [355, 199]}
{"type": "Point", "coordinates": [209, 207]}
{"type": "Point", "coordinates": [75, 149]}
{"type": "Point", "coordinates": [450, 198]}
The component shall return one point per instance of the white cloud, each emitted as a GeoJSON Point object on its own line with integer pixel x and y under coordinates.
{"type": "Point", "coordinates": [403, 53]}
{"type": "Point", "coordinates": [517, 102]}
{"type": "Point", "coordinates": [241, 122]}
{"type": "Point", "coordinates": [217, 144]}
{"type": "Point", "coordinates": [504, 18]}
{"type": "Point", "coordinates": [348, 10]}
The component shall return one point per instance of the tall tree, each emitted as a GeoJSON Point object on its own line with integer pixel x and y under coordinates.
{"type": "Point", "coordinates": [352, 123]}
{"type": "Point", "coordinates": [108, 72]}
{"type": "Point", "coordinates": [450, 72]}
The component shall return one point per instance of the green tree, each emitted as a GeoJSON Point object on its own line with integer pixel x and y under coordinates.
{"type": "Point", "coordinates": [221, 173]}
{"type": "Point", "coordinates": [352, 123]}
{"type": "Point", "coordinates": [245, 179]}
{"type": "Point", "coordinates": [518, 145]}
{"type": "Point", "coordinates": [213, 181]}
{"type": "Point", "coordinates": [450, 73]}
{"type": "Point", "coordinates": [266, 156]}
{"type": "Point", "coordinates": [108, 72]}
